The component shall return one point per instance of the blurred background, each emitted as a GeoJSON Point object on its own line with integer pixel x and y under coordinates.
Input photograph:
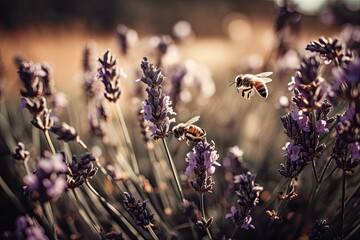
{"type": "Point", "coordinates": [215, 40]}
{"type": "Point", "coordinates": [218, 39]}
{"type": "Point", "coordinates": [226, 31]}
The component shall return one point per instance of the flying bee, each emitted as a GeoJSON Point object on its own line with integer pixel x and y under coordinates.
{"type": "Point", "coordinates": [189, 132]}
{"type": "Point", "coordinates": [249, 82]}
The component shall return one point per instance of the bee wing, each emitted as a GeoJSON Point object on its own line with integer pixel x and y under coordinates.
{"type": "Point", "coordinates": [192, 120]}
{"type": "Point", "coordinates": [263, 74]}
{"type": "Point", "coordinates": [266, 80]}
{"type": "Point", "coordinates": [261, 80]}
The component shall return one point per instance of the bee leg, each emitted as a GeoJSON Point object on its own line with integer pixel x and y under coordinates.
{"type": "Point", "coordinates": [187, 142]}
{"type": "Point", "coordinates": [246, 91]}
{"type": "Point", "coordinates": [249, 93]}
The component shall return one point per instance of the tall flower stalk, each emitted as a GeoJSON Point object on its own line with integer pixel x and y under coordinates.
{"type": "Point", "coordinates": [157, 110]}
{"type": "Point", "coordinates": [202, 161]}
{"type": "Point", "coordinates": [247, 194]}
{"type": "Point", "coordinates": [110, 75]}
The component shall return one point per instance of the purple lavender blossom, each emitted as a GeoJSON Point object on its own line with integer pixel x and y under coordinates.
{"type": "Point", "coordinates": [110, 75]}
{"type": "Point", "coordinates": [234, 160]}
{"type": "Point", "coordinates": [329, 50]}
{"type": "Point", "coordinates": [21, 154]}
{"type": "Point", "coordinates": [318, 230]}
{"type": "Point", "coordinates": [46, 183]}
{"type": "Point", "coordinates": [292, 151]}
{"type": "Point", "coordinates": [301, 119]}
{"type": "Point", "coordinates": [29, 229]}
{"type": "Point", "coordinates": [138, 211]}
{"type": "Point", "coordinates": [31, 76]}
{"type": "Point", "coordinates": [347, 82]}
{"type": "Point", "coordinates": [157, 107]}
{"type": "Point", "coordinates": [248, 196]}
{"type": "Point", "coordinates": [346, 147]}
{"type": "Point", "coordinates": [48, 79]}
{"type": "Point", "coordinates": [202, 161]}
{"type": "Point", "coordinates": [89, 69]}
{"type": "Point", "coordinates": [321, 127]}
{"type": "Point", "coordinates": [309, 88]}
{"type": "Point", "coordinates": [305, 133]}
{"type": "Point", "coordinates": [81, 170]}
{"type": "Point", "coordinates": [65, 132]}
{"type": "Point", "coordinates": [177, 75]}
{"type": "Point", "coordinates": [126, 38]}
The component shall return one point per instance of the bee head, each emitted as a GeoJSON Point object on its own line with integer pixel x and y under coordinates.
{"type": "Point", "coordinates": [239, 80]}
{"type": "Point", "coordinates": [177, 131]}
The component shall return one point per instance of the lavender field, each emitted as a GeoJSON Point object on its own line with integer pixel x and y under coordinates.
{"type": "Point", "coordinates": [217, 120]}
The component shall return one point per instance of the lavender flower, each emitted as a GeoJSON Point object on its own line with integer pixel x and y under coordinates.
{"type": "Point", "coordinates": [248, 196]}
{"type": "Point", "coordinates": [177, 79]}
{"type": "Point", "coordinates": [144, 128]}
{"type": "Point", "coordinates": [318, 230]}
{"type": "Point", "coordinates": [329, 50]}
{"type": "Point", "coordinates": [81, 170]}
{"type": "Point", "coordinates": [30, 74]}
{"type": "Point", "coordinates": [37, 83]}
{"type": "Point", "coordinates": [21, 154]}
{"type": "Point", "coordinates": [234, 160]}
{"type": "Point", "coordinates": [110, 75]}
{"type": "Point", "coordinates": [126, 38]}
{"type": "Point", "coordinates": [346, 150]}
{"type": "Point", "coordinates": [308, 86]}
{"type": "Point", "coordinates": [27, 228]}
{"type": "Point", "coordinates": [351, 36]}
{"type": "Point", "coordinates": [138, 211]}
{"type": "Point", "coordinates": [46, 184]}
{"type": "Point", "coordinates": [48, 79]}
{"type": "Point", "coordinates": [292, 151]}
{"type": "Point", "coordinates": [65, 133]}
{"type": "Point", "coordinates": [89, 71]}
{"type": "Point", "coordinates": [157, 107]}
{"type": "Point", "coordinates": [347, 81]}
{"type": "Point", "coordinates": [44, 121]}
{"type": "Point", "coordinates": [36, 106]}
{"type": "Point", "coordinates": [202, 161]}
{"type": "Point", "coordinates": [304, 129]}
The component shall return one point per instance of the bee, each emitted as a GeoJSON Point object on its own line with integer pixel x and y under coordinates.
{"type": "Point", "coordinates": [189, 132]}
{"type": "Point", "coordinates": [249, 82]}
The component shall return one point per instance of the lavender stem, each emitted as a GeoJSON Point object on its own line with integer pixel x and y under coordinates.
{"type": "Point", "coordinates": [172, 165]}
{"type": "Point", "coordinates": [48, 139]}
{"type": "Point", "coordinates": [50, 216]}
{"type": "Point", "coordinates": [127, 138]}
{"type": "Point", "coordinates": [343, 202]}
{"type": "Point", "coordinates": [203, 214]}
{"type": "Point", "coordinates": [314, 146]}
{"type": "Point", "coordinates": [152, 233]}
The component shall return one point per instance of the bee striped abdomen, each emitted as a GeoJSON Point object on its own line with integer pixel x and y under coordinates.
{"type": "Point", "coordinates": [262, 90]}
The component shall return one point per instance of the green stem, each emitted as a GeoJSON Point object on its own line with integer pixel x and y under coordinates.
{"type": "Point", "coordinates": [127, 138]}
{"type": "Point", "coordinates": [83, 145]}
{"type": "Point", "coordinates": [85, 214]}
{"type": "Point", "coordinates": [113, 209]}
{"type": "Point", "coordinates": [202, 206]}
{"type": "Point", "coordinates": [50, 216]}
{"type": "Point", "coordinates": [152, 233]}
{"type": "Point", "coordinates": [343, 202]}
{"type": "Point", "coordinates": [173, 169]}
{"type": "Point", "coordinates": [50, 143]}
{"type": "Point", "coordinates": [26, 167]}
{"type": "Point", "coordinates": [314, 145]}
